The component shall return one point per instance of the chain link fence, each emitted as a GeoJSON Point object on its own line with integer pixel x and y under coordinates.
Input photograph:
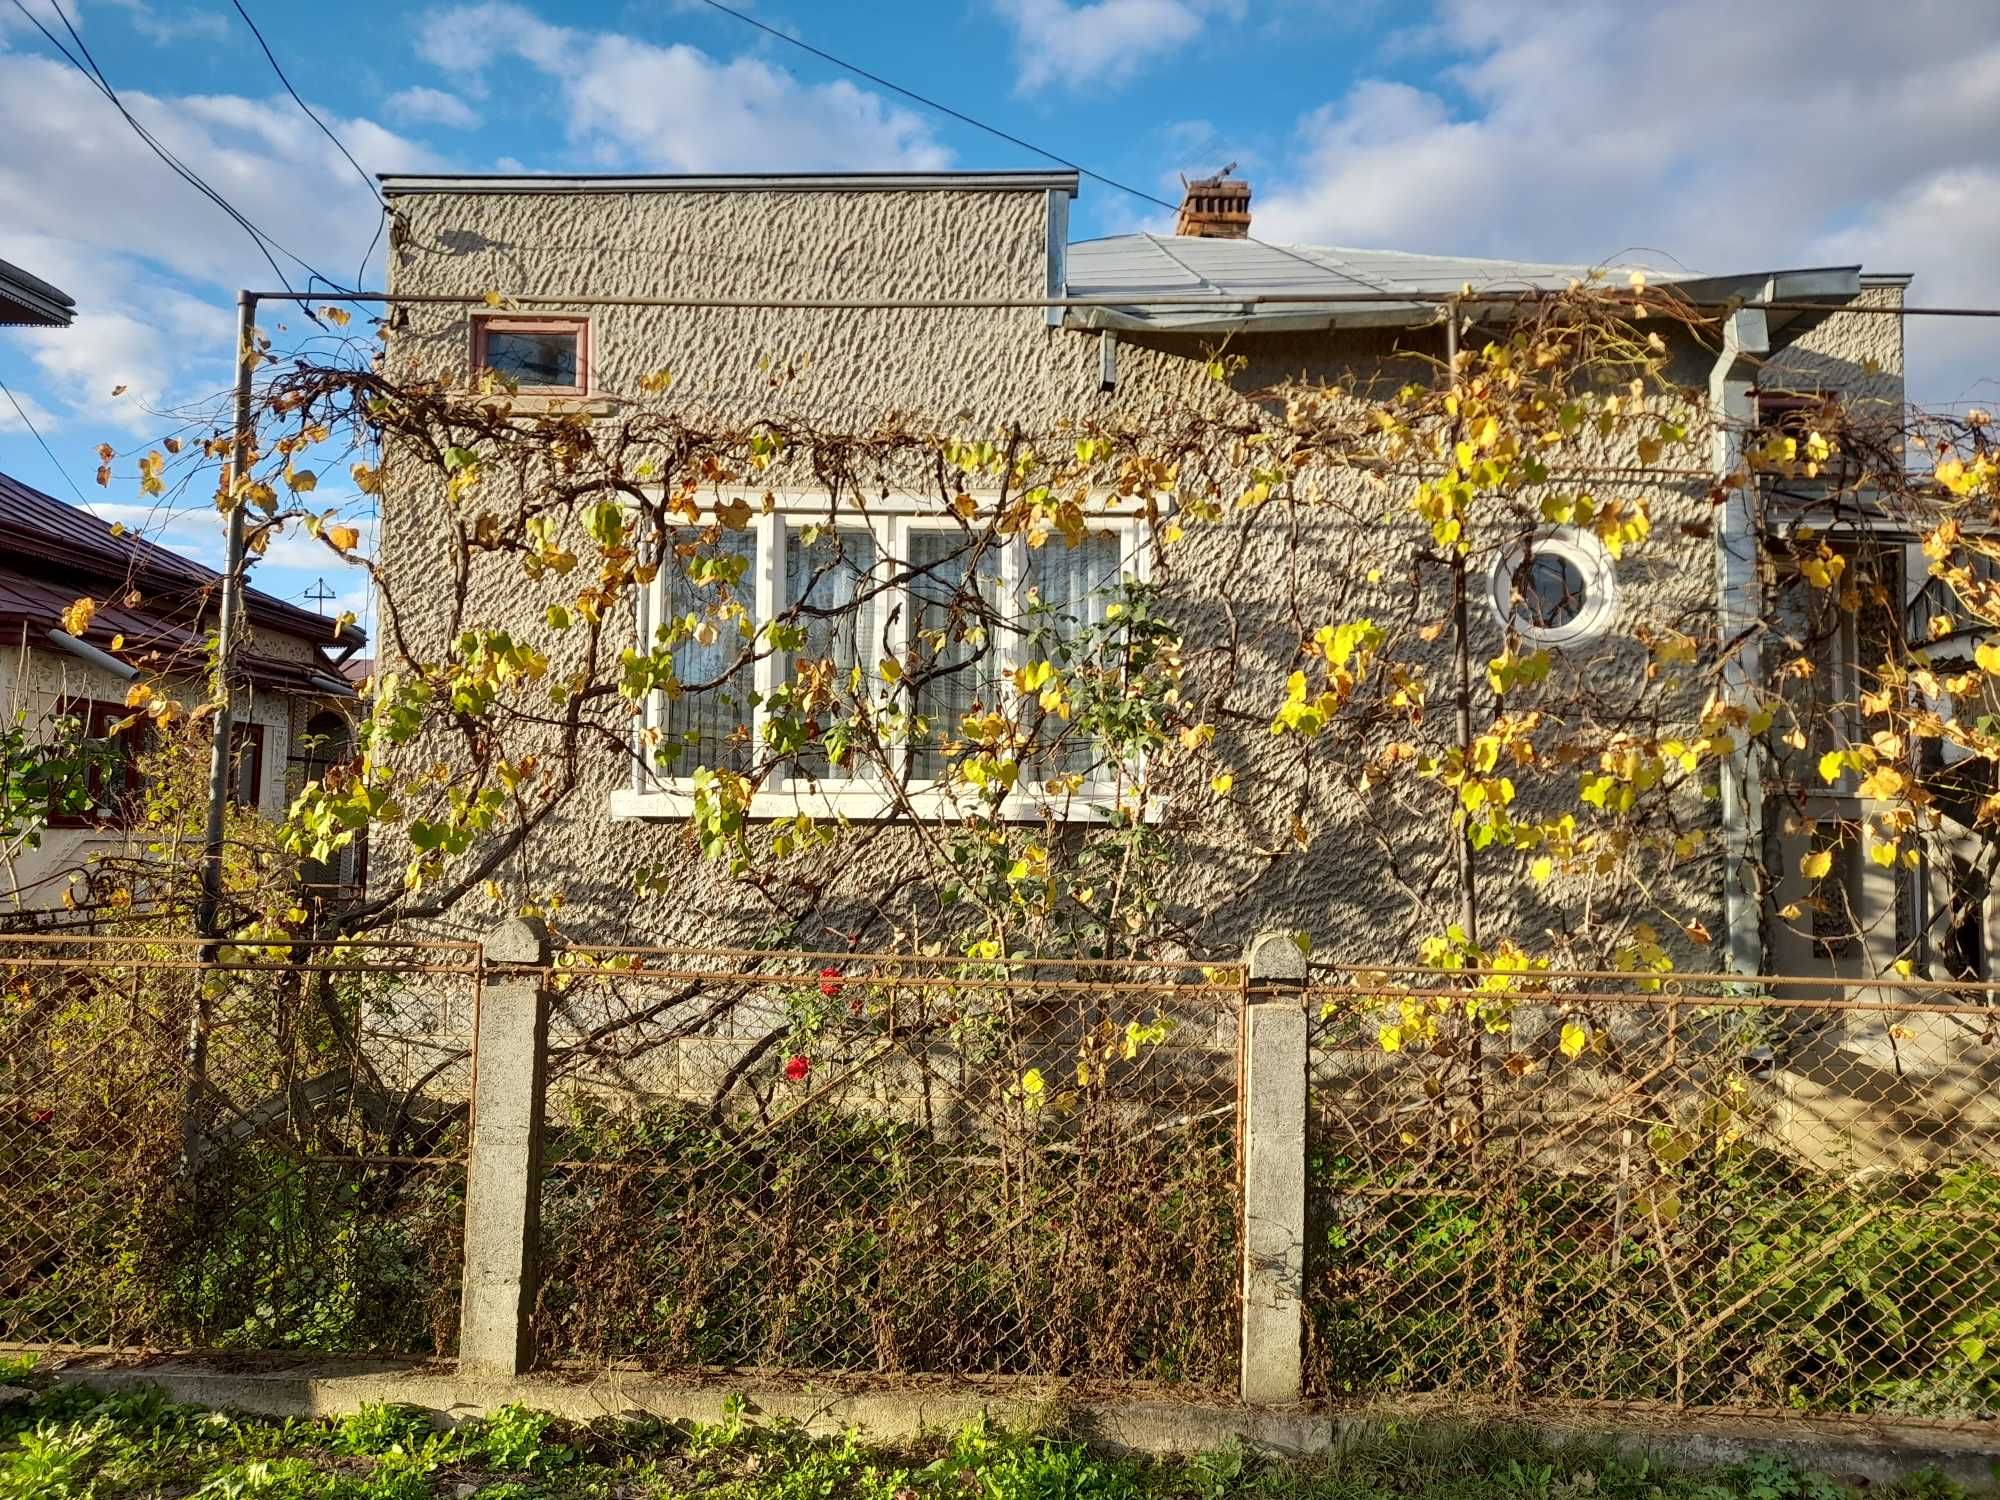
{"type": "Point", "coordinates": [1590, 1189]}
{"type": "Point", "coordinates": [891, 1164]}
{"type": "Point", "coordinates": [266, 1152]}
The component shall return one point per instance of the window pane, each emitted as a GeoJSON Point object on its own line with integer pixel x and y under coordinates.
{"type": "Point", "coordinates": [246, 751]}
{"type": "Point", "coordinates": [1066, 590]}
{"type": "Point", "coordinates": [711, 721]}
{"type": "Point", "coordinates": [958, 664]}
{"type": "Point", "coordinates": [828, 581]}
{"type": "Point", "coordinates": [541, 357]}
{"type": "Point", "coordinates": [1549, 588]}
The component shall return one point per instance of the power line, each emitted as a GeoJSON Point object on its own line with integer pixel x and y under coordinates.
{"type": "Point", "coordinates": [326, 130]}
{"type": "Point", "coordinates": [1184, 301]}
{"type": "Point", "coordinates": [94, 75]}
{"type": "Point", "coordinates": [943, 109]}
{"type": "Point", "coordinates": [28, 422]}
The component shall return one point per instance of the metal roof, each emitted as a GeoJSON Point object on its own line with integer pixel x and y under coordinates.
{"type": "Point", "coordinates": [29, 301]}
{"type": "Point", "coordinates": [734, 182]}
{"type": "Point", "coordinates": [48, 540]}
{"type": "Point", "coordinates": [1147, 266]}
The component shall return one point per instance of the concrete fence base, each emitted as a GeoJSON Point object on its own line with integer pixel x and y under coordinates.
{"type": "Point", "coordinates": [1154, 1422]}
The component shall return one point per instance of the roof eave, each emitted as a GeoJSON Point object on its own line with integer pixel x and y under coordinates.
{"type": "Point", "coordinates": [400, 183]}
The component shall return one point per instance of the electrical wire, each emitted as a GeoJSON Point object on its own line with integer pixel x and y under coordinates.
{"type": "Point", "coordinates": [95, 77]}
{"type": "Point", "coordinates": [943, 109]}
{"type": "Point", "coordinates": [28, 422]}
{"type": "Point", "coordinates": [325, 130]}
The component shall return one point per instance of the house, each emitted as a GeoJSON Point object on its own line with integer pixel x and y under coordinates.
{"type": "Point", "coordinates": [27, 301]}
{"type": "Point", "coordinates": [294, 710]}
{"type": "Point", "coordinates": [1145, 344]}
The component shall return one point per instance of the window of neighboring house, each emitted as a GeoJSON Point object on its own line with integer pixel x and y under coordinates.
{"type": "Point", "coordinates": [112, 780]}
{"type": "Point", "coordinates": [1798, 415]}
{"type": "Point", "coordinates": [953, 610]}
{"type": "Point", "coordinates": [1793, 414]}
{"type": "Point", "coordinates": [541, 356]}
{"type": "Point", "coordinates": [246, 765]}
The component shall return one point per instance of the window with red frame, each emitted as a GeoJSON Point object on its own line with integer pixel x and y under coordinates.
{"type": "Point", "coordinates": [113, 779]}
{"type": "Point", "coordinates": [246, 765]}
{"type": "Point", "coordinates": [541, 356]}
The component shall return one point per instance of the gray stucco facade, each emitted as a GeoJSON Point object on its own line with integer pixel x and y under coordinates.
{"type": "Point", "coordinates": [1372, 873]}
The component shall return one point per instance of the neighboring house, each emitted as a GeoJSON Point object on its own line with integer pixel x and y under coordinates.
{"type": "Point", "coordinates": [29, 302]}
{"type": "Point", "coordinates": [294, 710]}
{"type": "Point", "coordinates": [973, 371]}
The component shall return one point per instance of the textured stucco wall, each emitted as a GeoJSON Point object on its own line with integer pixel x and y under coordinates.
{"type": "Point", "coordinates": [1376, 873]}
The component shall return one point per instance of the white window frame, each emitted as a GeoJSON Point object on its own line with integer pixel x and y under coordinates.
{"type": "Point", "coordinates": [865, 797]}
{"type": "Point", "coordinates": [1593, 564]}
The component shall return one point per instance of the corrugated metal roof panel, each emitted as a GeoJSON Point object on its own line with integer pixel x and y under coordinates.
{"type": "Point", "coordinates": [1142, 266]}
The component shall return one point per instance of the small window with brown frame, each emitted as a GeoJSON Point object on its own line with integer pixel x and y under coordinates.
{"type": "Point", "coordinates": [246, 765]}
{"type": "Point", "coordinates": [111, 781]}
{"type": "Point", "coordinates": [539, 356]}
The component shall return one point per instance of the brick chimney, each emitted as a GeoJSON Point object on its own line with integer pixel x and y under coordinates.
{"type": "Point", "coordinates": [1217, 207]}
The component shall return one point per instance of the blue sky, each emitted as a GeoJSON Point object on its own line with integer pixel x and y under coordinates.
{"type": "Point", "coordinates": [1704, 132]}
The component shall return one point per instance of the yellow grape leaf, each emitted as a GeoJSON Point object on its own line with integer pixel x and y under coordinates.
{"type": "Point", "coordinates": [1220, 785]}
{"type": "Point", "coordinates": [345, 538]}
{"type": "Point", "coordinates": [1542, 869]}
{"type": "Point", "coordinates": [302, 481]}
{"type": "Point", "coordinates": [1574, 1040]}
{"type": "Point", "coordinates": [890, 668]}
{"type": "Point", "coordinates": [137, 694]}
{"type": "Point", "coordinates": [1815, 866]}
{"type": "Point", "coordinates": [76, 619]}
{"type": "Point", "coordinates": [1988, 657]}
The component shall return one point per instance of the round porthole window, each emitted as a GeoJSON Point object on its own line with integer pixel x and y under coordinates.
{"type": "Point", "coordinates": [1557, 588]}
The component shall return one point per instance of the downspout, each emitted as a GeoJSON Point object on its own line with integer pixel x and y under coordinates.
{"type": "Point", "coordinates": [1745, 339]}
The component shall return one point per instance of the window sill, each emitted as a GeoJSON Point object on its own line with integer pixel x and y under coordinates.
{"type": "Point", "coordinates": [867, 804]}
{"type": "Point", "coordinates": [525, 405]}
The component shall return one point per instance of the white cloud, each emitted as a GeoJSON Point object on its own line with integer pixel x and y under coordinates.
{"type": "Point", "coordinates": [1731, 137]}
{"type": "Point", "coordinates": [1102, 42]}
{"type": "Point", "coordinates": [427, 106]}
{"type": "Point", "coordinates": [29, 407]}
{"type": "Point", "coordinates": [152, 264]}
{"type": "Point", "coordinates": [292, 564]}
{"type": "Point", "coordinates": [629, 102]}
{"type": "Point", "coordinates": [176, 24]}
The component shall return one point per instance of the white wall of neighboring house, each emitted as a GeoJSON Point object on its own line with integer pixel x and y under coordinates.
{"type": "Point", "coordinates": [35, 681]}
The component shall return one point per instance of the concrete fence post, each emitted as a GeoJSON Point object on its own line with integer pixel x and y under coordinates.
{"type": "Point", "coordinates": [1274, 1173]}
{"type": "Point", "coordinates": [503, 1177]}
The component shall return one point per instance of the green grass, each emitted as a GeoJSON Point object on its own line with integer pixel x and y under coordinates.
{"type": "Point", "coordinates": [61, 1441]}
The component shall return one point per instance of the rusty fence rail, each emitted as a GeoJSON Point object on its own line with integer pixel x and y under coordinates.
{"type": "Point", "coordinates": [266, 1152]}
{"type": "Point", "coordinates": [1703, 1193]}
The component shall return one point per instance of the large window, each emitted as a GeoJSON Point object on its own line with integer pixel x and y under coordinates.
{"type": "Point", "coordinates": [112, 781]}
{"type": "Point", "coordinates": [853, 662]}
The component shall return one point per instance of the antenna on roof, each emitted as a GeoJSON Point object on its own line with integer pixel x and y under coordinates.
{"type": "Point", "coordinates": [319, 593]}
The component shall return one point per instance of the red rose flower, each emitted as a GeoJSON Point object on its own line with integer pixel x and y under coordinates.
{"type": "Point", "coordinates": [829, 981]}
{"type": "Point", "coordinates": [797, 1066]}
